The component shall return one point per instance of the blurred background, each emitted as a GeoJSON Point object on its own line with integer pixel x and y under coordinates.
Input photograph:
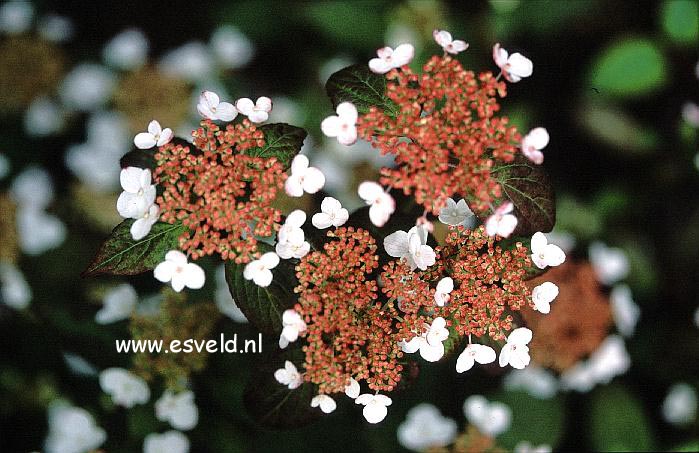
{"type": "Point", "coordinates": [616, 85]}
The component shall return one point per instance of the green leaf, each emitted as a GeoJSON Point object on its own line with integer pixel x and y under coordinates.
{"type": "Point", "coordinates": [617, 421]}
{"type": "Point", "coordinates": [630, 67]}
{"type": "Point", "coordinates": [358, 85]}
{"type": "Point", "coordinates": [618, 129]}
{"type": "Point", "coordinates": [264, 306]}
{"type": "Point", "coordinates": [680, 20]}
{"type": "Point", "coordinates": [529, 188]}
{"type": "Point", "coordinates": [120, 254]}
{"type": "Point", "coordinates": [538, 421]}
{"type": "Point", "coordinates": [282, 141]}
{"type": "Point", "coordinates": [274, 405]}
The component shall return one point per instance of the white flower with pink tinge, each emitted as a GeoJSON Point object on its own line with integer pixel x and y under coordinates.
{"type": "Point", "coordinates": [303, 178]}
{"type": "Point", "coordinates": [293, 325]}
{"type": "Point", "coordinates": [501, 223]}
{"type": "Point", "coordinates": [258, 111]}
{"type": "Point", "coordinates": [444, 288]}
{"type": "Point", "coordinates": [389, 58]}
{"type": "Point", "coordinates": [176, 270]}
{"type": "Point", "coordinates": [156, 136]}
{"type": "Point", "coordinates": [374, 406]}
{"type": "Point", "coordinates": [289, 376]}
{"type": "Point", "coordinates": [533, 143]}
{"type": "Point", "coordinates": [514, 67]}
{"type": "Point", "coordinates": [211, 107]}
{"type": "Point", "coordinates": [545, 254]}
{"type": "Point", "coordinates": [333, 214]}
{"type": "Point", "coordinates": [452, 46]}
{"type": "Point", "coordinates": [382, 204]}
{"type": "Point", "coordinates": [343, 125]}
{"type": "Point", "coordinates": [259, 271]}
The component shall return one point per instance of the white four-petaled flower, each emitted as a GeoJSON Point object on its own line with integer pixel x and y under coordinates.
{"type": "Point", "coordinates": [516, 351]}
{"type": "Point", "coordinates": [333, 214]}
{"type": "Point", "coordinates": [211, 107]}
{"type": "Point", "coordinates": [178, 409]}
{"type": "Point", "coordinates": [514, 67]}
{"type": "Point", "coordinates": [429, 343]}
{"type": "Point", "coordinates": [326, 403]}
{"type": "Point", "coordinates": [452, 46]}
{"type": "Point", "coordinates": [501, 223]}
{"type": "Point", "coordinates": [293, 325]}
{"type": "Point", "coordinates": [176, 270]}
{"type": "Point", "coordinates": [543, 295]}
{"type": "Point", "coordinates": [292, 241]}
{"type": "Point", "coordinates": [444, 288]}
{"type": "Point", "coordinates": [156, 136]}
{"type": "Point", "coordinates": [382, 204]}
{"type": "Point", "coordinates": [455, 213]}
{"type": "Point", "coordinates": [138, 194]}
{"type": "Point", "coordinates": [343, 125]}
{"type": "Point", "coordinates": [533, 143]}
{"type": "Point", "coordinates": [545, 254]}
{"type": "Point", "coordinates": [258, 111]}
{"type": "Point", "coordinates": [389, 58]}
{"type": "Point", "coordinates": [303, 178]}
{"type": "Point", "coordinates": [259, 270]}
{"type": "Point", "coordinates": [289, 376]}
{"type": "Point", "coordinates": [474, 353]}
{"type": "Point", "coordinates": [411, 246]}
{"type": "Point", "coordinates": [125, 388]}
{"type": "Point", "coordinates": [374, 406]}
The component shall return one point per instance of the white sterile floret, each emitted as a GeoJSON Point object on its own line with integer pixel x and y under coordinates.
{"type": "Point", "coordinates": [167, 442]}
{"type": "Point", "coordinates": [411, 246]}
{"type": "Point", "coordinates": [452, 46]}
{"type": "Point", "coordinates": [680, 405]}
{"type": "Point", "coordinates": [332, 214]}
{"type": "Point", "coordinates": [178, 409]}
{"type": "Point", "coordinates": [516, 352]}
{"type": "Point", "coordinates": [14, 290]}
{"type": "Point", "coordinates": [374, 406]}
{"type": "Point", "coordinates": [180, 273]}
{"type": "Point", "coordinates": [533, 143]}
{"type": "Point", "coordinates": [259, 270]}
{"type": "Point", "coordinates": [326, 403]}
{"type": "Point", "coordinates": [156, 136]}
{"type": "Point", "coordinates": [223, 298]}
{"type": "Point", "coordinates": [610, 263]}
{"type": "Point", "coordinates": [455, 213]}
{"type": "Point", "coordinates": [429, 343]}
{"type": "Point", "coordinates": [293, 325]}
{"type": "Point", "coordinates": [211, 107]}
{"type": "Point", "coordinates": [474, 353]}
{"type": "Point", "coordinates": [490, 418]}
{"type": "Point", "coordinates": [71, 430]}
{"type": "Point", "coordinates": [502, 222]}
{"type": "Point", "coordinates": [289, 376]}
{"type": "Point", "coordinates": [343, 125]}
{"type": "Point", "coordinates": [292, 242]}
{"type": "Point", "coordinates": [514, 67]}
{"type": "Point", "coordinates": [292, 225]}
{"type": "Point", "coordinates": [16, 17]}
{"type": "Point", "coordinates": [258, 111]}
{"type": "Point", "coordinates": [527, 447]}
{"type": "Point", "coordinates": [141, 227]}
{"type": "Point", "coordinates": [536, 381]}
{"type": "Point", "coordinates": [545, 254]}
{"type": "Point", "coordinates": [128, 50]}
{"type": "Point", "coordinates": [138, 194]}
{"type": "Point", "coordinates": [444, 288]}
{"type": "Point", "coordinates": [303, 178]}
{"type": "Point", "coordinates": [118, 304]}
{"type": "Point", "coordinates": [425, 428]}
{"type": "Point", "coordinates": [125, 388]}
{"type": "Point", "coordinates": [382, 204]}
{"type": "Point", "coordinates": [543, 295]}
{"type": "Point", "coordinates": [389, 58]}
{"type": "Point", "coordinates": [191, 61]}
{"type": "Point", "coordinates": [352, 389]}
{"type": "Point", "coordinates": [624, 310]}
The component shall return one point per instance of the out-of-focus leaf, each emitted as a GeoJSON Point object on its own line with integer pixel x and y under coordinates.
{"type": "Point", "coordinates": [282, 141]}
{"type": "Point", "coordinates": [629, 67]}
{"type": "Point", "coordinates": [120, 254]}
{"type": "Point", "coordinates": [264, 306]}
{"type": "Point", "coordinates": [538, 421]}
{"type": "Point", "coordinates": [358, 85]}
{"type": "Point", "coordinates": [617, 421]}
{"type": "Point", "coordinates": [687, 446]}
{"type": "Point", "coordinates": [680, 19]}
{"type": "Point", "coordinates": [352, 23]}
{"type": "Point", "coordinates": [618, 129]}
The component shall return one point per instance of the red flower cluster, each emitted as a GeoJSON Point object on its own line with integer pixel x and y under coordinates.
{"type": "Point", "coordinates": [220, 194]}
{"type": "Point", "coordinates": [445, 134]}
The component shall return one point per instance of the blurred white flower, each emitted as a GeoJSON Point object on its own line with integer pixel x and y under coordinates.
{"type": "Point", "coordinates": [536, 381]}
{"type": "Point", "coordinates": [55, 28]}
{"type": "Point", "coordinates": [32, 188]}
{"type": "Point", "coordinates": [501, 222]}
{"type": "Point", "coordinates": [610, 263]}
{"type": "Point", "coordinates": [287, 110]}
{"type": "Point", "coordinates": [16, 17]}
{"type": "Point", "coordinates": [4, 166]}
{"type": "Point", "coordinates": [326, 403]}
{"type": "Point", "coordinates": [382, 203]}
{"type": "Point", "coordinates": [156, 136]}
{"type": "Point", "coordinates": [624, 309]}
{"type": "Point", "coordinates": [474, 353]}
{"type": "Point", "coordinates": [43, 117]}
{"type": "Point", "coordinates": [118, 304]}
{"type": "Point", "coordinates": [178, 409]}
{"type": "Point", "coordinates": [455, 213]}
{"type": "Point", "coordinates": [398, 32]}
{"type": "Point", "coordinates": [258, 111]}
{"type": "Point", "coordinates": [343, 125]}
{"type": "Point", "coordinates": [38, 231]}
{"type": "Point", "coordinates": [490, 418]}
{"type": "Point", "coordinates": [352, 389]}
{"type": "Point", "coordinates": [374, 406]}
{"type": "Point", "coordinates": [259, 270]}
{"type": "Point", "coordinates": [167, 442]}
{"type": "Point", "coordinates": [191, 62]}
{"type": "Point", "coordinates": [125, 388]}
{"type": "Point", "coordinates": [223, 298]}
{"type": "Point", "coordinates": [289, 376]}
{"type": "Point", "coordinates": [138, 195]}
{"type": "Point", "coordinates": [563, 239]}
{"type": "Point", "coordinates": [430, 342]}
{"type": "Point", "coordinates": [303, 178]}
{"type": "Point", "coordinates": [514, 67]}
{"type": "Point", "coordinates": [425, 427]}
{"type": "Point", "coordinates": [411, 246]}
{"type": "Point", "coordinates": [444, 287]}
{"type": "Point", "coordinates": [690, 114]}
{"type": "Point", "coordinates": [71, 430]}
{"type": "Point", "coordinates": [176, 270]}
{"type": "Point", "coordinates": [579, 378]}
{"type": "Point", "coordinates": [609, 360]}
{"type": "Point", "coordinates": [231, 47]}
{"type": "Point", "coordinates": [545, 254]}
{"type": "Point", "coordinates": [211, 107]}
{"type": "Point", "coordinates": [680, 405]}
{"type": "Point", "coordinates": [516, 352]}
{"type": "Point", "coordinates": [543, 295]}
{"type": "Point", "coordinates": [128, 50]}
{"type": "Point", "coordinates": [14, 290]}
{"type": "Point", "coordinates": [526, 447]}
{"type": "Point", "coordinates": [450, 45]}
{"type": "Point", "coordinates": [293, 324]}
{"type": "Point", "coordinates": [533, 143]}
{"type": "Point", "coordinates": [87, 87]}
{"type": "Point", "coordinates": [389, 58]}
{"type": "Point", "coordinates": [332, 214]}
{"type": "Point", "coordinates": [78, 365]}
